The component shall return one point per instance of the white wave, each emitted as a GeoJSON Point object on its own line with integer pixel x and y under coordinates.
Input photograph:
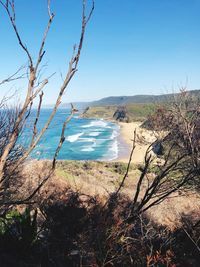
{"type": "Point", "coordinates": [87, 149]}
{"type": "Point", "coordinates": [114, 134]}
{"type": "Point", "coordinates": [114, 147]}
{"type": "Point", "coordinates": [90, 147]}
{"type": "Point", "coordinates": [94, 134]}
{"type": "Point", "coordinates": [73, 138]}
{"type": "Point", "coordinates": [88, 139]}
{"type": "Point", "coordinates": [97, 123]}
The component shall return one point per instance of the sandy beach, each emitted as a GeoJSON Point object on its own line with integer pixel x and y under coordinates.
{"type": "Point", "coordinates": [127, 132]}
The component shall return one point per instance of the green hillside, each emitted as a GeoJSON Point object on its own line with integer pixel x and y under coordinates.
{"type": "Point", "coordinates": [126, 100]}
{"type": "Point", "coordinates": [134, 112]}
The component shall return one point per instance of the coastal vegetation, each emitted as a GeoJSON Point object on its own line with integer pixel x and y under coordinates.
{"type": "Point", "coordinates": [109, 214]}
{"type": "Point", "coordinates": [76, 219]}
{"type": "Point", "coordinates": [142, 211]}
{"type": "Point", "coordinates": [133, 112]}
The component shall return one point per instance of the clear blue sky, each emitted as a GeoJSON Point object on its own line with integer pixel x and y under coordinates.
{"type": "Point", "coordinates": [131, 46]}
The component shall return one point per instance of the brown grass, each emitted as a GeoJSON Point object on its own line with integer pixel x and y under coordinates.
{"type": "Point", "coordinates": [99, 179]}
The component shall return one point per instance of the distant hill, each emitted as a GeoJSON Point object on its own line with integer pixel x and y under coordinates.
{"type": "Point", "coordinates": [137, 99]}
{"type": "Point", "coordinates": [124, 100]}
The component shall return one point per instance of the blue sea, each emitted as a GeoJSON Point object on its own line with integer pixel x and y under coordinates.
{"type": "Point", "coordinates": [85, 139]}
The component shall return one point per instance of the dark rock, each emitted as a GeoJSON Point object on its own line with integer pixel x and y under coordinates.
{"type": "Point", "coordinates": [121, 114]}
{"type": "Point", "coordinates": [157, 148]}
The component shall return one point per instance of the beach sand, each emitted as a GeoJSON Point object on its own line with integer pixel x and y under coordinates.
{"type": "Point", "coordinates": [127, 133]}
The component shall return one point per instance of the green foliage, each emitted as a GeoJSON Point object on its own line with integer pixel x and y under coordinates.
{"type": "Point", "coordinates": [20, 228]}
{"type": "Point", "coordinates": [139, 112]}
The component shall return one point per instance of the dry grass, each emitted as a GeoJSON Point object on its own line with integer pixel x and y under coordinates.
{"type": "Point", "coordinates": [99, 179]}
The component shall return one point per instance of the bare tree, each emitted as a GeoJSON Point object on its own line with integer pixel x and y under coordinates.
{"type": "Point", "coordinates": [34, 90]}
{"type": "Point", "coordinates": [180, 168]}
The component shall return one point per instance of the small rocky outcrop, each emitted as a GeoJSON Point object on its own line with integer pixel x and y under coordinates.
{"type": "Point", "coordinates": [158, 148]}
{"type": "Point", "coordinates": [121, 114]}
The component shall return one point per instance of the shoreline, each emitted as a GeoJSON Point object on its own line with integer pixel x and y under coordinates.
{"type": "Point", "coordinates": [126, 143]}
{"type": "Point", "coordinates": [124, 140]}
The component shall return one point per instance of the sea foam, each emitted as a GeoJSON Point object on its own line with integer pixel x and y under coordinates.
{"type": "Point", "coordinates": [114, 149]}
{"type": "Point", "coordinates": [87, 149]}
{"type": "Point", "coordinates": [94, 134]}
{"type": "Point", "coordinates": [90, 139]}
{"type": "Point", "coordinates": [74, 137]}
{"type": "Point", "coordinates": [114, 134]}
{"type": "Point", "coordinates": [96, 123]}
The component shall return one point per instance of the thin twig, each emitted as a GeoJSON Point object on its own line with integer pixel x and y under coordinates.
{"type": "Point", "coordinates": [129, 163]}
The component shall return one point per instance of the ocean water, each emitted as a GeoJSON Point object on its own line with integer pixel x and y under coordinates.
{"type": "Point", "coordinates": [85, 139]}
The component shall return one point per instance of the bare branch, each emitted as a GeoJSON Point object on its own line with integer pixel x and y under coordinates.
{"type": "Point", "coordinates": [37, 118]}
{"type": "Point", "coordinates": [129, 163]}
{"type": "Point", "coordinates": [34, 90]}
{"type": "Point", "coordinates": [41, 51]}
{"type": "Point", "coordinates": [62, 137]}
{"type": "Point", "coordinates": [14, 76]}
{"type": "Point", "coordinates": [71, 71]}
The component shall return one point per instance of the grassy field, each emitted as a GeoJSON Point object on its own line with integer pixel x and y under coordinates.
{"type": "Point", "coordinates": [139, 112]}
{"type": "Point", "coordinates": [135, 112]}
{"type": "Point", "coordinates": [94, 178]}
{"type": "Point", "coordinates": [100, 112]}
